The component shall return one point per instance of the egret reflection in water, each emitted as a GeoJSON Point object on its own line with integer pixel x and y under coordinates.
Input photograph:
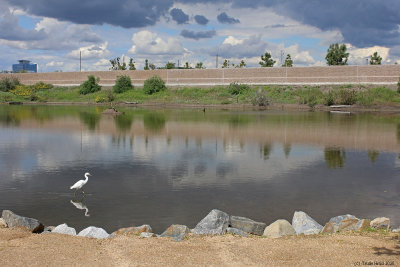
{"type": "Point", "coordinates": [81, 206]}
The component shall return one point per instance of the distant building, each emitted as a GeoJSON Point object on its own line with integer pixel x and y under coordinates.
{"type": "Point", "coordinates": [25, 66]}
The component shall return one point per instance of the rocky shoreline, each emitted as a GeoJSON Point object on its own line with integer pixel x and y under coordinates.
{"type": "Point", "coordinates": [215, 223]}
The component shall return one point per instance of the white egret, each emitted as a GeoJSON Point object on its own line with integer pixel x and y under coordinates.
{"type": "Point", "coordinates": [78, 185]}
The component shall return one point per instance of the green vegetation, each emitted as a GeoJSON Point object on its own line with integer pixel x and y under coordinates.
{"type": "Point", "coordinates": [288, 61]}
{"type": "Point", "coordinates": [7, 84]}
{"type": "Point", "coordinates": [90, 86]}
{"type": "Point", "coordinates": [375, 59]}
{"type": "Point", "coordinates": [122, 84]}
{"type": "Point", "coordinates": [155, 91]}
{"type": "Point", "coordinates": [266, 60]}
{"type": "Point", "coordinates": [153, 85]}
{"type": "Point", "coordinates": [337, 55]}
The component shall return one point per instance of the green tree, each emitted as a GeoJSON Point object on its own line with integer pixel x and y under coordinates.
{"type": "Point", "coordinates": [170, 65]}
{"type": "Point", "coordinates": [123, 83]}
{"type": "Point", "coordinates": [337, 55]}
{"type": "Point", "coordinates": [240, 65]}
{"type": "Point", "coordinates": [187, 66]}
{"type": "Point", "coordinates": [199, 65]}
{"type": "Point", "coordinates": [131, 64]}
{"type": "Point", "coordinates": [146, 65]}
{"type": "Point", "coordinates": [91, 85]}
{"type": "Point", "coordinates": [375, 59]}
{"type": "Point", "coordinates": [225, 65]}
{"type": "Point", "coordinates": [152, 66]}
{"type": "Point", "coordinates": [117, 65]}
{"type": "Point", "coordinates": [288, 61]}
{"type": "Point", "coordinates": [266, 60]}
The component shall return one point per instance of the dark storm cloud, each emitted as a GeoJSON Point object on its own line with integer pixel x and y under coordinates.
{"type": "Point", "coordinates": [198, 35]}
{"type": "Point", "coordinates": [201, 20]}
{"type": "Point", "coordinates": [362, 22]}
{"type": "Point", "coordinates": [179, 16]}
{"type": "Point", "coordinates": [224, 18]}
{"type": "Point", "coordinates": [127, 14]}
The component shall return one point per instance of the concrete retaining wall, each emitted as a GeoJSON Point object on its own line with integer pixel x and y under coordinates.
{"type": "Point", "coordinates": [385, 74]}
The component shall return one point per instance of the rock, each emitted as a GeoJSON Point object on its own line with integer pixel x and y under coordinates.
{"type": "Point", "coordinates": [3, 223]}
{"type": "Point", "coordinates": [396, 230]}
{"type": "Point", "coordinates": [247, 225]}
{"type": "Point", "coordinates": [215, 223]}
{"type": "Point", "coordinates": [14, 220]}
{"type": "Point", "coordinates": [304, 224]}
{"type": "Point", "coordinates": [147, 235]}
{"type": "Point", "coordinates": [236, 231]}
{"type": "Point", "coordinates": [338, 219]}
{"type": "Point", "coordinates": [278, 229]}
{"type": "Point", "coordinates": [348, 225]}
{"type": "Point", "coordinates": [380, 223]}
{"type": "Point", "coordinates": [64, 229]}
{"type": "Point", "coordinates": [94, 232]}
{"type": "Point", "coordinates": [330, 228]}
{"type": "Point", "coordinates": [363, 224]}
{"type": "Point", "coordinates": [136, 230]}
{"type": "Point", "coordinates": [176, 232]}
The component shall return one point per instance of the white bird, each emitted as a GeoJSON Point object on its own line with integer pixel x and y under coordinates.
{"type": "Point", "coordinates": [78, 185]}
{"type": "Point", "coordinates": [81, 206]}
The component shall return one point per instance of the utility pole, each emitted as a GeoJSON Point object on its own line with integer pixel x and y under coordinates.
{"type": "Point", "coordinates": [80, 60]}
{"type": "Point", "coordinates": [216, 61]}
{"type": "Point", "coordinates": [282, 57]}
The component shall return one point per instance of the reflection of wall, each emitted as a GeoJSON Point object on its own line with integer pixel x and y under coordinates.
{"type": "Point", "coordinates": [388, 74]}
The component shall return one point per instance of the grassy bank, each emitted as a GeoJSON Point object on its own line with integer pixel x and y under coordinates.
{"type": "Point", "coordinates": [220, 95]}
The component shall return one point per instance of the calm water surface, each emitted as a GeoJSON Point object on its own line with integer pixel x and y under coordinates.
{"type": "Point", "coordinates": [161, 167]}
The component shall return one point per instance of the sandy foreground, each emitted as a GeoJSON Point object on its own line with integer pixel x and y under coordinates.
{"type": "Point", "coordinates": [21, 248]}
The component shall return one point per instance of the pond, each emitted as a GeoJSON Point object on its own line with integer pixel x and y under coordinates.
{"type": "Point", "coordinates": [172, 166]}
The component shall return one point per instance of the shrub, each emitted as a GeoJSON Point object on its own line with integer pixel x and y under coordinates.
{"type": "Point", "coordinates": [90, 86]}
{"type": "Point", "coordinates": [329, 98]}
{"type": "Point", "coordinates": [42, 86]}
{"type": "Point", "coordinates": [398, 86]}
{"type": "Point", "coordinates": [153, 85]}
{"type": "Point", "coordinates": [100, 99]}
{"type": "Point", "coordinates": [110, 96]}
{"type": "Point", "coordinates": [7, 84]}
{"type": "Point", "coordinates": [122, 84]}
{"type": "Point", "coordinates": [260, 99]}
{"type": "Point", "coordinates": [237, 89]}
{"type": "Point", "coordinates": [346, 97]}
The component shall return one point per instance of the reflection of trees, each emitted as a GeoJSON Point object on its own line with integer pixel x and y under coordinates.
{"type": "Point", "coordinates": [373, 155]}
{"type": "Point", "coordinates": [123, 122]}
{"type": "Point", "coordinates": [154, 122]}
{"type": "Point", "coordinates": [90, 119]}
{"type": "Point", "coordinates": [335, 157]}
{"type": "Point", "coordinates": [9, 119]}
{"type": "Point", "coordinates": [398, 132]}
{"type": "Point", "coordinates": [286, 149]}
{"type": "Point", "coordinates": [265, 151]}
{"type": "Point", "coordinates": [238, 120]}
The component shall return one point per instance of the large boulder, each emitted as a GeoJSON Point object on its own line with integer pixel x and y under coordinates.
{"type": "Point", "coordinates": [348, 225]}
{"type": "Point", "coordinates": [3, 223]}
{"type": "Point", "coordinates": [14, 220]}
{"type": "Point", "coordinates": [380, 223]}
{"type": "Point", "coordinates": [330, 228]}
{"type": "Point", "coordinates": [304, 224]}
{"type": "Point", "coordinates": [235, 231]}
{"type": "Point", "coordinates": [215, 223]}
{"type": "Point", "coordinates": [94, 232]}
{"type": "Point", "coordinates": [338, 219]}
{"type": "Point", "coordinates": [135, 230]}
{"type": "Point", "coordinates": [247, 225]}
{"type": "Point", "coordinates": [278, 229]}
{"type": "Point", "coordinates": [363, 224]}
{"type": "Point", "coordinates": [64, 229]}
{"type": "Point", "coordinates": [176, 232]}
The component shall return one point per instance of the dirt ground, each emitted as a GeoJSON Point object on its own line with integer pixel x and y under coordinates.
{"type": "Point", "coordinates": [21, 248]}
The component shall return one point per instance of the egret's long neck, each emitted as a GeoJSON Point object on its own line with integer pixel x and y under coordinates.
{"type": "Point", "coordinates": [87, 178]}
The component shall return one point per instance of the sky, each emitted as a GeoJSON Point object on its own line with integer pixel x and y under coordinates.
{"type": "Point", "coordinates": [52, 33]}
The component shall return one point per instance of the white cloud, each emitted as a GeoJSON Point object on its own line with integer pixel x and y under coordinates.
{"type": "Point", "coordinates": [91, 52]}
{"type": "Point", "coordinates": [359, 56]}
{"type": "Point", "coordinates": [149, 43]}
{"type": "Point", "coordinates": [55, 64]}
